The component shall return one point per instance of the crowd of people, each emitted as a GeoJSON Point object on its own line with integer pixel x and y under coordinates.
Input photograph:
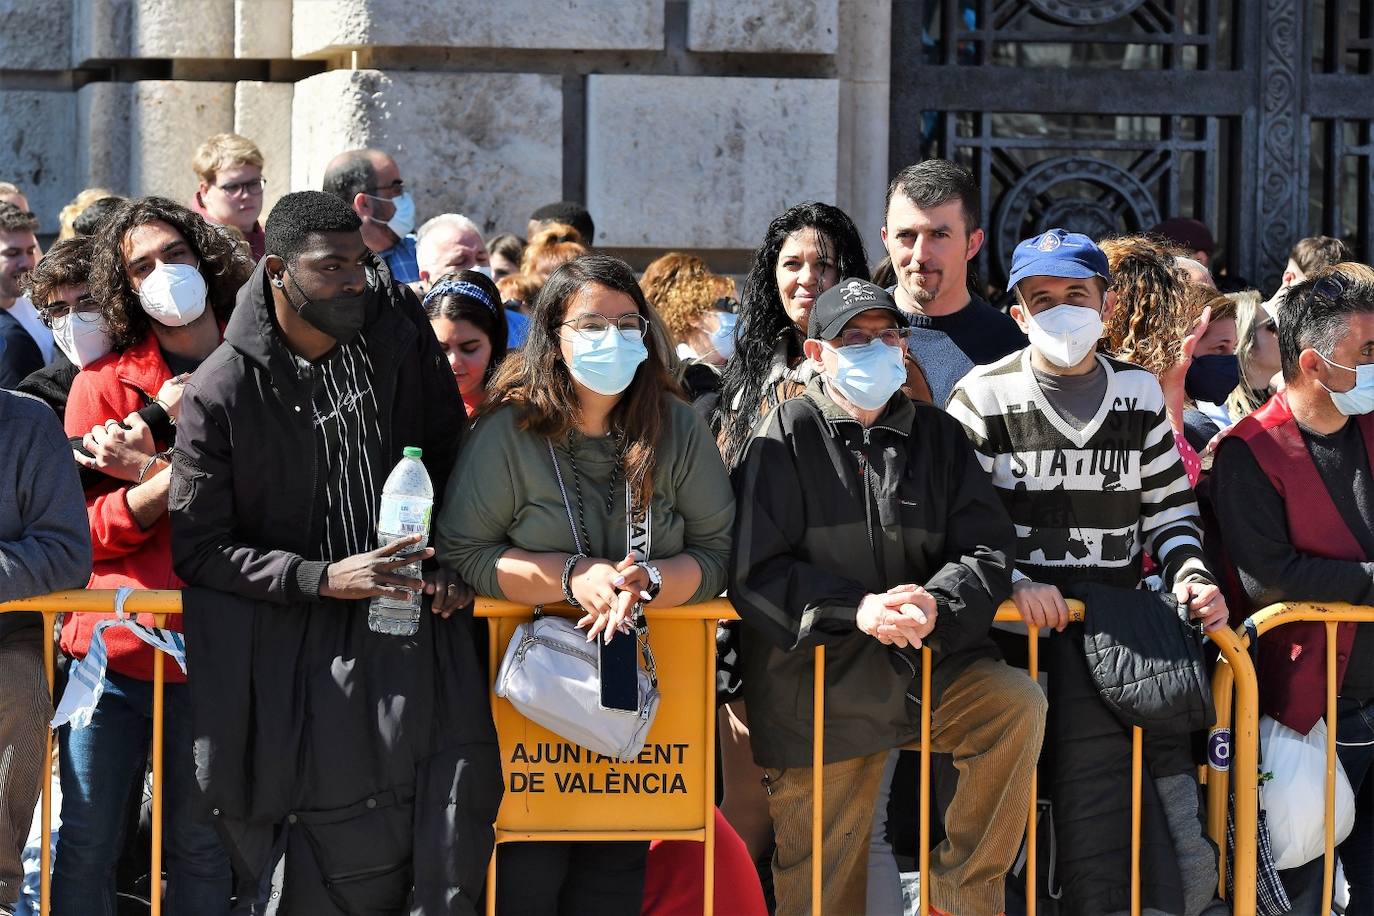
{"type": "Point", "coordinates": [865, 457]}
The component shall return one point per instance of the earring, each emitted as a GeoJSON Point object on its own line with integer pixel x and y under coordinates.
{"type": "Point", "coordinates": [276, 281]}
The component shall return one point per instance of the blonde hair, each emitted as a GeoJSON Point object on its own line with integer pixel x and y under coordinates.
{"type": "Point", "coordinates": [550, 248]}
{"type": "Point", "coordinates": [66, 217]}
{"type": "Point", "coordinates": [1250, 317]}
{"type": "Point", "coordinates": [222, 151]}
{"type": "Point", "coordinates": [680, 287]}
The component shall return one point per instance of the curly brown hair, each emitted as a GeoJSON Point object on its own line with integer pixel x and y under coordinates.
{"type": "Point", "coordinates": [223, 262]}
{"type": "Point", "coordinates": [535, 381]}
{"type": "Point", "coordinates": [681, 287]}
{"type": "Point", "coordinates": [68, 263]}
{"type": "Point", "coordinates": [1149, 321]}
{"type": "Point", "coordinates": [551, 247]}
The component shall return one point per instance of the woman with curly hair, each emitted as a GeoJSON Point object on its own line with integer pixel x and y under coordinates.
{"type": "Point", "coordinates": [695, 305]}
{"type": "Point", "coordinates": [166, 281]}
{"type": "Point", "coordinates": [1151, 327]}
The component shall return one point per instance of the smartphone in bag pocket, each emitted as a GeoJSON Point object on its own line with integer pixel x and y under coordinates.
{"type": "Point", "coordinates": [618, 667]}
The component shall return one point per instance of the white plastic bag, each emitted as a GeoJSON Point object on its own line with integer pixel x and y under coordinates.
{"type": "Point", "coordinates": [1295, 798]}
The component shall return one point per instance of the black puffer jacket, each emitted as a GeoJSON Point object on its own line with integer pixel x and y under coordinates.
{"type": "Point", "coordinates": [828, 512]}
{"type": "Point", "coordinates": [313, 734]}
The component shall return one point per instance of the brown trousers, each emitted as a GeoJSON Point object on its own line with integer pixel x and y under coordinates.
{"type": "Point", "coordinates": [25, 711]}
{"type": "Point", "coordinates": [992, 720]}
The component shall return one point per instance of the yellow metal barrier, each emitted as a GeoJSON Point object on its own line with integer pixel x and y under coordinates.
{"type": "Point", "coordinates": [557, 791]}
{"type": "Point", "coordinates": [100, 601]}
{"type": "Point", "coordinates": [684, 643]}
{"type": "Point", "coordinates": [1276, 615]}
{"type": "Point", "coordinates": [1232, 650]}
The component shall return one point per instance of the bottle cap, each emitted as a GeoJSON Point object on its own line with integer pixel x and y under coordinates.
{"type": "Point", "coordinates": [412, 451]}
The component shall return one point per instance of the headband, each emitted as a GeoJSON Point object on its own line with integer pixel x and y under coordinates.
{"type": "Point", "coordinates": [461, 288]}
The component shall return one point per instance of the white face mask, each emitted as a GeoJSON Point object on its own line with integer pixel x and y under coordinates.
{"type": "Point", "coordinates": [1065, 334]}
{"type": "Point", "coordinates": [82, 338]}
{"type": "Point", "coordinates": [867, 375]}
{"type": "Point", "coordinates": [403, 220]}
{"type": "Point", "coordinates": [484, 270]}
{"type": "Point", "coordinates": [173, 294]}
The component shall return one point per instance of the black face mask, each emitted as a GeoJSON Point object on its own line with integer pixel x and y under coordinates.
{"type": "Point", "coordinates": [341, 317]}
{"type": "Point", "coordinates": [1212, 378]}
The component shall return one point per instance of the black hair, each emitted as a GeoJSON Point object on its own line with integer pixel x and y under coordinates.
{"type": "Point", "coordinates": [570, 212]}
{"type": "Point", "coordinates": [12, 219]}
{"type": "Point", "coordinates": [488, 315]}
{"type": "Point", "coordinates": [351, 174]}
{"type": "Point", "coordinates": [1315, 314]}
{"type": "Point", "coordinates": [933, 182]}
{"type": "Point", "coordinates": [224, 263]}
{"type": "Point", "coordinates": [763, 322]}
{"type": "Point", "coordinates": [89, 219]}
{"type": "Point", "coordinates": [301, 214]}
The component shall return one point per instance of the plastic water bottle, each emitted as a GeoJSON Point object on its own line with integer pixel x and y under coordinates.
{"type": "Point", "coordinates": [407, 502]}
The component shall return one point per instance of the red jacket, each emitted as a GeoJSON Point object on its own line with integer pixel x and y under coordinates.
{"type": "Point", "coordinates": [125, 554]}
{"type": "Point", "coordinates": [1292, 658]}
{"type": "Point", "coordinates": [675, 881]}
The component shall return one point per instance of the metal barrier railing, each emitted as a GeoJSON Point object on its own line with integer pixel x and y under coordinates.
{"type": "Point", "coordinates": [102, 601]}
{"type": "Point", "coordinates": [1276, 615]}
{"type": "Point", "coordinates": [1235, 680]}
{"type": "Point", "coordinates": [1231, 649]}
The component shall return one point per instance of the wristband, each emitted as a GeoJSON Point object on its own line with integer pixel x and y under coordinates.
{"type": "Point", "coordinates": [567, 578]}
{"type": "Point", "coordinates": [147, 465]}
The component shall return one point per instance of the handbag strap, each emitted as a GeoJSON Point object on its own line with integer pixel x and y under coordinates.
{"type": "Point", "coordinates": [638, 540]}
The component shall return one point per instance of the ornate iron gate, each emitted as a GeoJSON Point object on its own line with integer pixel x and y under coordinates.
{"type": "Point", "coordinates": [1254, 116]}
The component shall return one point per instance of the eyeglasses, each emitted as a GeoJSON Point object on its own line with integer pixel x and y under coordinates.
{"type": "Point", "coordinates": [893, 337]}
{"type": "Point", "coordinates": [398, 186]}
{"type": "Point", "coordinates": [251, 188]}
{"type": "Point", "coordinates": [55, 317]}
{"type": "Point", "coordinates": [592, 325]}
{"type": "Point", "coordinates": [1329, 288]}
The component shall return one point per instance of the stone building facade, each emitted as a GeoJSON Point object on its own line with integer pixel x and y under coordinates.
{"type": "Point", "coordinates": [682, 124]}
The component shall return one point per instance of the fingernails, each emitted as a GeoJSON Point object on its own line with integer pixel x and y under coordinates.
{"type": "Point", "coordinates": [619, 581]}
{"type": "Point", "coordinates": [645, 596]}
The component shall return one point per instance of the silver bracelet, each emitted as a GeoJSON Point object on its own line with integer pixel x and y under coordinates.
{"type": "Point", "coordinates": [567, 578]}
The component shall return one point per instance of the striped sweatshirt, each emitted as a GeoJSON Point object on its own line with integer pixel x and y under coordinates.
{"type": "Point", "coordinates": [1086, 503]}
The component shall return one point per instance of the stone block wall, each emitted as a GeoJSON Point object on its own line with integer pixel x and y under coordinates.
{"type": "Point", "coordinates": [682, 123]}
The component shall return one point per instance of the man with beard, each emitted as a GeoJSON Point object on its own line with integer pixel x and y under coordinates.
{"type": "Point", "coordinates": [931, 233]}
{"type": "Point", "coordinates": [347, 770]}
{"type": "Point", "coordinates": [25, 344]}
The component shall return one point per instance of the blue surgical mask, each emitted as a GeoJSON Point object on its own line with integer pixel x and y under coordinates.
{"type": "Point", "coordinates": [403, 220]}
{"type": "Point", "coordinates": [606, 364]}
{"type": "Point", "coordinates": [868, 375]}
{"type": "Point", "coordinates": [1358, 400]}
{"type": "Point", "coordinates": [723, 338]}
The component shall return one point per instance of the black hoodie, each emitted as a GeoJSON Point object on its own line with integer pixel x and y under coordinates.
{"type": "Point", "coordinates": [314, 736]}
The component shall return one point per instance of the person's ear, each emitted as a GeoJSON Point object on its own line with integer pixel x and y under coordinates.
{"type": "Point", "coordinates": [1021, 316]}
{"type": "Point", "coordinates": [1311, 364]}
{"type": "Point", "coordinates": [275, 267]}
{"type": "Point", "coordinates": [1108, 304]}
{"type": "Point", "coordinates": [882, 232]}
{"type": "Point", "coordinates": [814, 351]}
{"type": "Point", "coordinates": [1289, 278]}
{"type": "Point", "coordinates": [200, 191]}
{"type": "Point", "coordinates": [975, 244]}
{"type": "Point", "coordinates": [362, 205]}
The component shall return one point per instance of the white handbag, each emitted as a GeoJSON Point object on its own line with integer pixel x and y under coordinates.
{"type": "Point", "coordinates": [550, 672]}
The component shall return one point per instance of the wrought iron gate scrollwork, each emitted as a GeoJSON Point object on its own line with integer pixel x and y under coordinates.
{"type": "Point", "coordinates": [1254, 116]}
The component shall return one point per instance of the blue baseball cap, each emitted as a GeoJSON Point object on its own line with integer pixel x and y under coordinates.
{"type": "Point", "coordinates": [1057, 253]}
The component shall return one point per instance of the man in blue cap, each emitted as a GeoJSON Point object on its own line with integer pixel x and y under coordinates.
{"type": "Point", "coordinates": [1082, 454]}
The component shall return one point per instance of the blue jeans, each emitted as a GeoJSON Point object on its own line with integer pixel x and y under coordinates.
{"type": "Point", "coordinates": [1355, 748]}
{"type": "Point", "coordinates": [103, 766]}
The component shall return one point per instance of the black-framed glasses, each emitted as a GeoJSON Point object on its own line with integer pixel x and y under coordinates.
{"type": "Point", "coordinates": [251, 188]}
{"type": "Point", "coordinates": [592, 325]}
{"type": "Point", "coordinates": [399, 186]}
{"type": "Point", "coordinates": [55, 317]}
{"type": "Point", "coordinates": [1329, 288]}
{"type": "Point", "coordinates": [893, 337]}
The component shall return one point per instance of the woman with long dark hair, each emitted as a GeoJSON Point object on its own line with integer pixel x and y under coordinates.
{"type": "Point", "coordinates": [466, 314]}
{"type": "Point", "coordinates": [581, 431]}
{"type": "Point", "coordinates": [805, 252]}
